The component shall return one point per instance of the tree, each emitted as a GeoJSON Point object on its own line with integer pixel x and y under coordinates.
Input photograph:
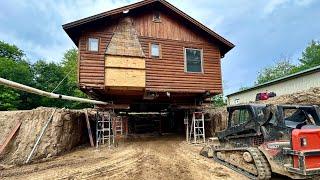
{"type": "Point", "coordinates": [10, 51]}
{"type": "Point", "coordinates": [48, 76]}
{"type": "Point", "coordinates": [311, 55]}
{"type": "Point", "coordinates": [69, 66]}
{"type": "Point", "coordinates": [280, 69]}
{"type": "Point", "coordinates": [218, 100]}
{"type": "Point", "coordinates": [14, 67]}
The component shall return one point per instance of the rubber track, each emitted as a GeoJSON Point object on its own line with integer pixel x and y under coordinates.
{"type": "Point", "coordinates": [263, 168]}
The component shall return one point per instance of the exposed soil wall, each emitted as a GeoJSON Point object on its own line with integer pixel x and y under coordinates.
{"type": "Point", "coordinates": [216, 120]}
{"type": "Point", "coordinates": [65, 131]}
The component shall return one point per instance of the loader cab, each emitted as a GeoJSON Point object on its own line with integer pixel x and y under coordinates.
{"type": "Point", "coordinates": [244, 120]}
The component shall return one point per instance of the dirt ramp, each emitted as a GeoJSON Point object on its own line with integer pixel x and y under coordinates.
{"type": "Point", "coordinates": [65, 131]}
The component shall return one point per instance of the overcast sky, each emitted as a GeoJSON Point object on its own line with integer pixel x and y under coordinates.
{"type": "Point", "coordinates": [262, 30]}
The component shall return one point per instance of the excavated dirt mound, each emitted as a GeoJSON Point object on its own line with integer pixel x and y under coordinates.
{"type": "Point", "coordinates": [311, 96]}
{"type": "Point", "coordinates": [65, 131]}
{"type": "Point", "coordinates": [216, 120]}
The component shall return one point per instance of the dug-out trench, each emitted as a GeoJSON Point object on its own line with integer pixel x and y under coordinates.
{"type": "Point", "coordinates": [68, 130]}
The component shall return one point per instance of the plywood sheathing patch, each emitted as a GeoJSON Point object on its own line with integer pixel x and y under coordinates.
{"type": "Point", "coordinates": [124, 41]}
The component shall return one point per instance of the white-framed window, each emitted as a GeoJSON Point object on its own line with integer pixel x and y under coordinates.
{"type": "Point", "coordinates": [93, 44]}
{"type": "Point", "coordinates": [193, 60]}
{"type": "Point", "coordinates": [155, 50]}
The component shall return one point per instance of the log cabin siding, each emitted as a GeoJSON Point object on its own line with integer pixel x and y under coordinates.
{"type": "Point", "coordinates": [164, 74]}
{"type": "Point", "coordinates": [168, 72]}
{"type": "Point", "coordinates": [167, 28]}
{"type": "Point", "coordinates": [91, 70]}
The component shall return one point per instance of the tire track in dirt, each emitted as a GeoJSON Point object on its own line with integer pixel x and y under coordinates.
{"type": "Point", "coordinates": [156, 158]}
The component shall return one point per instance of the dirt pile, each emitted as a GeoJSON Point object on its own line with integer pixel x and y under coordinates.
{"type": "Point", "coordinates": [65, 131]}
{"type": "Point", "coordinates": [216, 120]}
{"type": "Point", "coordinates": [311, 96]}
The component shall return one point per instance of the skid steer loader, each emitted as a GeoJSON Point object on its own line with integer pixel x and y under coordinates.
{"type": "Point", "coordinates": [264, 139]}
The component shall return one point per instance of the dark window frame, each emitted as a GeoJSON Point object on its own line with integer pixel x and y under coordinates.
{"type": "Point", "coordinates": [159, 48]}
{"type": "Point", "coordinates": [156, 16]}
{"type": "Point", "coordinates": [186, 63]}
{"type": "Point", "coordinates": [88, 44]}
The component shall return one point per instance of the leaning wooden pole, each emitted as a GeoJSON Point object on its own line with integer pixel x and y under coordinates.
{"type": "Point", "coordinates": [47, 94]}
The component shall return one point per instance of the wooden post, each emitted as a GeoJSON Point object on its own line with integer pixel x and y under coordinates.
{"type": "Point", "coordinates": [186, 123]}
{"type": "Point", "coordinates": [89, 128]}
{"type": "Point", "coordinates": [9, 137]}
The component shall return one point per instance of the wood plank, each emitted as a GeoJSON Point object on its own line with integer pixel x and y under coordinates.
{"type": "Point", "coordinates": [10, 136]}
{"type": "Point", "coordinates": [125, 77]}
{"type": "Point", "coordinates": [125, 62]}
{"type": "Point", "coordinates": [89, 128]}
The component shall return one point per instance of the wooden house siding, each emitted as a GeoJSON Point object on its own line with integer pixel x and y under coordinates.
{"type": "Point", "coordinates": [167, 28]}
{"type": "Point", "coordinates": [168, 72]}
{"type": "Point", "coordinates": [123, 70]}
{"type": "Point", "coordinates": [91, 70]}
{"type": "Point", "coordinates": [164, 74]}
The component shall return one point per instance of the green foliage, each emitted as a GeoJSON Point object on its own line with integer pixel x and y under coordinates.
{"type": "Point", "coordinates": [310, 58]}
{"type": "Point", "coordinates": [14, 67]}
{"type": "Point", "coordinates": [42, 75]}
{"type": "Point", "coordinates": [69, 64]}
{"type": "Point", "coordinates": [280, 69]}
{"type": "Point", "coordinates": [10, 51]}
{"type": "Point", "coordinates": [218, 100]}
{"type": "Point", "coordinates": [311, 55]}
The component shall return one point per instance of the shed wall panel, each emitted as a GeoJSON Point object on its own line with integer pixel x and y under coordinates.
{"type": "Point", "coordinates": [301, 83]}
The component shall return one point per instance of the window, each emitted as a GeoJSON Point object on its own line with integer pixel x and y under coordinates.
{"type": "Point", "coordinates": [240, 116]}
{"type": "Point", "coordinates": [193, 60]}
{"type": "Point", "coordinates": [156, 16]}
{"type": "Point", "coordinates": [93, 44]}
{"type": "Point", "coordinates": [155, 50]}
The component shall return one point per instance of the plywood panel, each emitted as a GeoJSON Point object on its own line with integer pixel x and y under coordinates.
{"type": "Point", "coordinates": [125, 77]}
{"type": "Point", "coordinates": [125, 62]}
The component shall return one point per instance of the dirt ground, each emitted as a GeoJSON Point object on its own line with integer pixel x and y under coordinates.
{"type": "Point", "coordinates": [152, 158]}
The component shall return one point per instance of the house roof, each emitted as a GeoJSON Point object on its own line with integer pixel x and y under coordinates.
{"type": "Point", "coordinates": [72, 27]}
{"type": "Point", "coordinates": [282, 79]}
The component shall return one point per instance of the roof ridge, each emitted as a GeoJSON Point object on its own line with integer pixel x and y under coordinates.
{"type": "Point", "coordinates": [225, 44]}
